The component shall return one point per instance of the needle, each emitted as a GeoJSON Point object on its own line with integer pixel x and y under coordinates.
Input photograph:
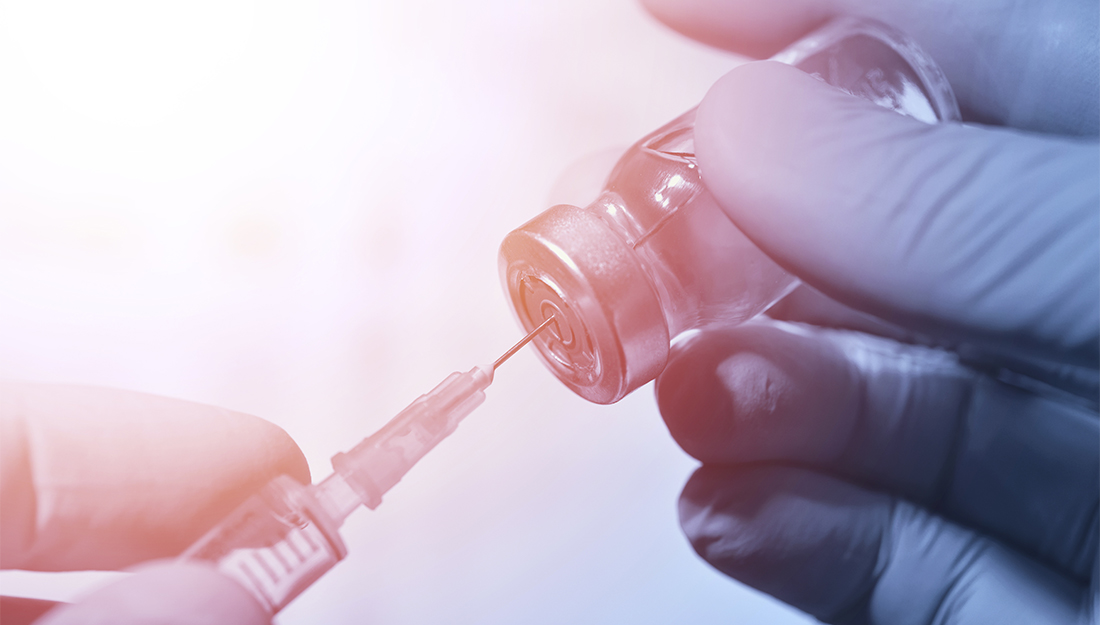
{"type": "Point", "coordinates": [525, 340]}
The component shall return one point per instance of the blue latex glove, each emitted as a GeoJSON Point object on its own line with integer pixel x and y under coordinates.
{"type": "Point", "coordinates": [866, 480]}
{"type": "Point", "coordinates": [102, 479]}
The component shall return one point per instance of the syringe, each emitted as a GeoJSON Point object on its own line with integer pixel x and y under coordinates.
{"type": "Point", "coordinates": [285, 537]}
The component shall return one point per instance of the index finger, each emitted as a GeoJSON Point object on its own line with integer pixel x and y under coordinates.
{"type": "Point", "coordinates": [1029, 65]}
{"type": "Point", "coordinates": [98, 478]}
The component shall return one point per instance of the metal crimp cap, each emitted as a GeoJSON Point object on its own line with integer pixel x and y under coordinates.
{"type": "Point", "coordinates": [610, 335]}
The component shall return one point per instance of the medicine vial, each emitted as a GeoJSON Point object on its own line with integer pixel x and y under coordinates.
{"type": "Point", "coordinates": [654, 256]}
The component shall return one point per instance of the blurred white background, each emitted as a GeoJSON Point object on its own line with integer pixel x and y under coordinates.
{"type": "Point", "coordinates": [292, 209]}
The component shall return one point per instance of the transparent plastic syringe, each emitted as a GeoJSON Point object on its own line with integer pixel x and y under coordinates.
{"type": "Point", "coordinates": [282, 539]}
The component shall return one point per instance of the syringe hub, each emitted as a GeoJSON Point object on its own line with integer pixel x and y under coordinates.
{"type": "Point", "coordinates": [373, 466]}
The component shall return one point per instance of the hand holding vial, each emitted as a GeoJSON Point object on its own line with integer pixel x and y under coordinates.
{"type": "Point", "coordinates": [863, 479]}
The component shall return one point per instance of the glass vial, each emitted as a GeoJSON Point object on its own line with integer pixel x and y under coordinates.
{"type": "Point", "coordinates": [654, 255]}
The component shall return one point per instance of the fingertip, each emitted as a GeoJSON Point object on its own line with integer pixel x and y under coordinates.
{"type": "Point", "coordinates": [714, 399]}
{"type": "Point", "coordinates": [720, 537]}
{"type": "Point", "coordinates": [752, 28]}
{"type": "Point", "coordinates": [692, 400]}
{"type": "Point", "coordinates": [286, 457]}
{"type": "Point", "coordinates": [805, 538]}
{"type": "Point", "coordinates": [750, 93]}
{"type": "Point", "coordinates": [695, 19]}
{"type": "Point", "coordinates": [258, 452]}
{"type": "Point", "coordinates": [663, 10]}
{"type": "Point", "coordinates": [751, 132]}
{"type": "Point", "coordinates": [758, 392]}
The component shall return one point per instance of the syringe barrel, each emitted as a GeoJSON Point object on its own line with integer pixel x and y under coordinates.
{"type": "Point", "coordinates": [275, 544]}
{"type": "Point", "coordinates": [373, 466]}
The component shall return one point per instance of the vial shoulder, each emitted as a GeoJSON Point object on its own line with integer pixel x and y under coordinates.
{"type": "Point", "coordinates": [657, 176]}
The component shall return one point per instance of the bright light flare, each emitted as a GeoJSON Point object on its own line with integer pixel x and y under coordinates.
{"type": "Point", "coordinates": [148, 88]}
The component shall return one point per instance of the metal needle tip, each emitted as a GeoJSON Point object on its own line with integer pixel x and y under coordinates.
{"type": "Point", "coordinates": [525, 340]}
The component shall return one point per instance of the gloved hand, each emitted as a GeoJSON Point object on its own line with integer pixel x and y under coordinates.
{"type": "Point", "coordinates": [865, 480]}
{"type": "Point", "coordinates": [102, 479]}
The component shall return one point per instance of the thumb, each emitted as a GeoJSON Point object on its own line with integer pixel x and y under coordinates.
{"type": "Point", "coordinates": [167, 593]}
{"type": "Point", "coordinates": [968, 233]}
{"type": "Point", "coordinates": [97, 478]}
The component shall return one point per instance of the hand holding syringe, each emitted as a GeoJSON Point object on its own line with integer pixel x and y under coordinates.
{"type": "Point", "coordinates": [280, 541]}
